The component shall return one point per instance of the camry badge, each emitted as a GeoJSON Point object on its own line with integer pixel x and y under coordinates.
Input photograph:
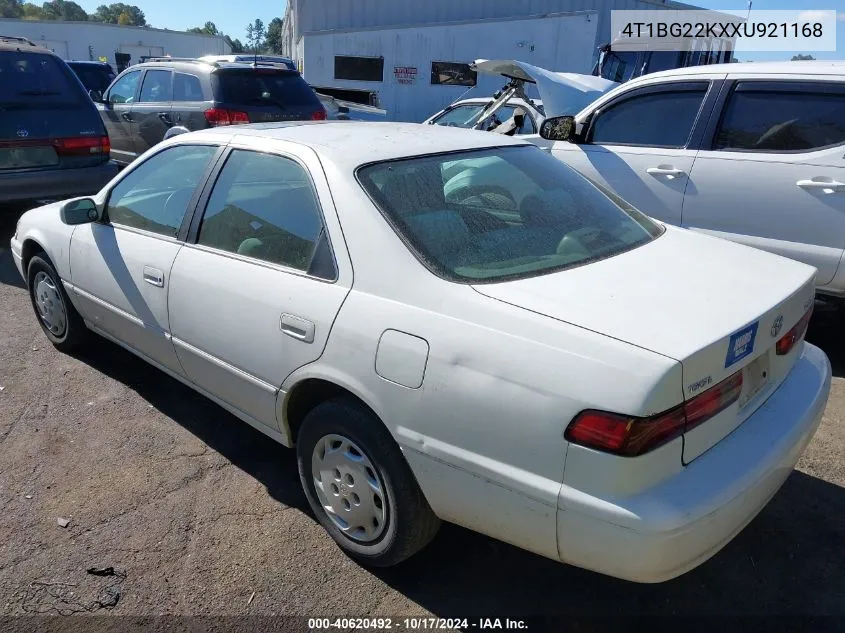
{"type": "Point", "coordinates": [777, 325]}
{"type": "Point", "coordinates": [22, 132]}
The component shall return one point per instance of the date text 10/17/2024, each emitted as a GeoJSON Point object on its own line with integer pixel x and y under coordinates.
{"type": "Point", "coordinates": [417, 624]}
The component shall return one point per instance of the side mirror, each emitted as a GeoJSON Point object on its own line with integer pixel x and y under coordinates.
{"type": "Point", "coordinates": [96, 96]}
{"type": "Point", "coordinates": [80, 211]}
{"type": "Point", "coordinates": [558, 128]}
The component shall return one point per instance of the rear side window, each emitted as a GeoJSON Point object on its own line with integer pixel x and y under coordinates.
{"type": "Point", "coordinates": [262, 87]}
{"type": "Point", "coordinates": [263, 206]}
{"type": "Point", "coordinates": [187, 88]}
{"type": "Point", "coordinates": [766, 120]}
{"type": "Point", "coordinates": [36, 79]}
{"type": "Point", "coordinates": [156, 87]}
{"type": "Point", "coordinates": [654, 119]}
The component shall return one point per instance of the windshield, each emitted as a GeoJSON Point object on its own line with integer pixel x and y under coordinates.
{"type": "Point", "coordinates": [35, 79]}
{"type": "Point", "coordinates": [271, 87]}
{"type": "Point", "coordinates": [466, 116]}
{"type": "Point", "coordinates": [505, 213]}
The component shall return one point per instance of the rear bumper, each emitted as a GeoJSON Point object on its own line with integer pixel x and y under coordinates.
{"type": "Point", "coordinates": [680, 523]}
{"type": "Point", "coordinates": [55, 183]}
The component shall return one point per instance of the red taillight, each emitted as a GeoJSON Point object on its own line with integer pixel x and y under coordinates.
{"type": "Point", "coordinates": [319, 115]}
{"type": "Point", "coordinates": [629, 437]}
{"type": "Point", "coordinates": [788, 340]}
{"type": "Point", "coordinates": [221, 116]}
{"type": "Point", "coordinates": [74, 145]}
{"type": "Point", "coordinates": [82, 145]}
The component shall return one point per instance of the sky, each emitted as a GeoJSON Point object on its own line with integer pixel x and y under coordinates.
{"type": "Point", "coordinates": [782, 5]}
{"type": "Point", "coordinates": [179, 15]}
{"type": "Point", "coordinates": [233, 17]}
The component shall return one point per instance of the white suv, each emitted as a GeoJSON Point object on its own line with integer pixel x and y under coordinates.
{"type": "Point", "coordinates": [753, 152]}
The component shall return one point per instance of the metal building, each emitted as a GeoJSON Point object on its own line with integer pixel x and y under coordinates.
{"type": "Point", "coordinates": [411, 56]}
{"type": "Point", "coordinates": [94, 40]}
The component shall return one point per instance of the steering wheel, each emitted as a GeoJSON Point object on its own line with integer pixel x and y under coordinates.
{"type": "Point", "coordinates": [574, 241]}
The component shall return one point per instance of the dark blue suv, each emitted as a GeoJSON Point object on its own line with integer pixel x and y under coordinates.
{"type": "Point", "coordinates": [53, 143]}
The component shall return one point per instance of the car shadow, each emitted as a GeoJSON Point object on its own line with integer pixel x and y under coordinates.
{"type": "Point", "coordinates": [788, 559]}
{"type": "Point", "coordinates": [253, 452]}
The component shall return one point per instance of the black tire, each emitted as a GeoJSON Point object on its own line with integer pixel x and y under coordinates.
{"type": "Point", "coordinates": [74, 334]}
{"type": "Point", "coordinates": [410, 523]}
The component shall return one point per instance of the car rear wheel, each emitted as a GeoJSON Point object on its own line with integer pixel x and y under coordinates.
{"type": "Point", "coordinates": [59, 320]}
{"type": "Point", "coordinates": [360, 487]}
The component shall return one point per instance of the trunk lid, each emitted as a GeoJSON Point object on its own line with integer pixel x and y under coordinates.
{"type": "Point", "coordinates": [714, 306]}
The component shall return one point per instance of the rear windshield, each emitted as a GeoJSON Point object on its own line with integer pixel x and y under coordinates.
{"type": "Point", "coordinates": [93, 77]}
{"type": "Point", "coordinates": [36, 80]}
{"type": "Point", "coordinates": [504, 213]}
{"type": "Point", "coordinates": [266, 87]}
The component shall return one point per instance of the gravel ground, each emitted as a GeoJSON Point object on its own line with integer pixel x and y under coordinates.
{"type": "Point", "coordinates": [198, 514]}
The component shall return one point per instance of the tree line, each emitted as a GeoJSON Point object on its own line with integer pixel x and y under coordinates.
{"type": "Point", "coordinates": [115, 13]}
{"type": "Point", "coordinates": [259, 38]}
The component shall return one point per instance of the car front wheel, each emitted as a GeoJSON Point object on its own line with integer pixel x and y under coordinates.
{"type": "Point", "coordinates": [360, 487]}
{"type": "Point", "coordinates": [58, 318]}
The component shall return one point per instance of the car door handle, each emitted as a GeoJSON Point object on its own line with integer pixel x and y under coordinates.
{"type": "Point", "coordinates": [665, 170]}
{"type": "Point", "coordinates": [154, 276]}
{"type": "Point", "coordinates": [165, 117]}
{"type": "Point", "coordinates": [298, 328]}
{"type": "Point", "coordinates": [828, 185]}
{"type": "Point", "coordinates": [125, 116]}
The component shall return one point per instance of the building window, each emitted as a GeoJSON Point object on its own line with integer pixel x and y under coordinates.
{"type": "Point", "coordinates": [452, 74]}
{"type": "Point", "coordinates": [359, 68]}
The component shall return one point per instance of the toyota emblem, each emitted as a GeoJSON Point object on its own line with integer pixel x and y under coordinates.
{"type": "Point", "coordinates": [777, 325]}
{"type": "Point", "coordinates": [22, 132]}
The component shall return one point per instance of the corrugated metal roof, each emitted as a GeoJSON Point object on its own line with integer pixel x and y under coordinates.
{"type": "Point", "coordinates": [323, 15]}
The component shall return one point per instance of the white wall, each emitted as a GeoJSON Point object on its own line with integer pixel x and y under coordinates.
{"type": "Point", "coordinates": [560, 43]}
{"type": "Point", "coordinates": [71, 40]}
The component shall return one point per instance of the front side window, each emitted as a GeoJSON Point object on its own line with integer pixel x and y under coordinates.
{"type": "Point", "coordinates": [263, 206]}
{"type": "Point", "coordinates": [656, 119]}
{"type": "Point", "coordinates": [157, 87]}
{"type": "Point", "coordinates": [123, 91]}
{"type": "Point", "coordinates": [492, 215]}
{"type": "Point", "coordinates": [155, 195]}
{"type": "Point", "coordinates": [773, 121]}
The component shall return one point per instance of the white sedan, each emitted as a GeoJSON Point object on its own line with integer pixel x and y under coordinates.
{"type": "Point", "coordinates": [534, 360]}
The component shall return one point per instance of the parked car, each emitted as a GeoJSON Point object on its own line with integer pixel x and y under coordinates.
{"type": "Point", "coordinates": [511, 111]}
{"type": "Point", "coordinates": [95, 76]}
{"type": "Point", "coordinates": [52, 143]}
{"type": "Point", "coordinates": [162, 97]}
{"type": "Point", "coordinates": [244, 57]}
{"type": "Point", "coordinates": [536, 361]}
{"type": "Point", "coordinates": [751, 152]}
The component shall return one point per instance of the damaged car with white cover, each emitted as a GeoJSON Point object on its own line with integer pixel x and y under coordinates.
{"type": "Point", "coordinates": [535, 360]}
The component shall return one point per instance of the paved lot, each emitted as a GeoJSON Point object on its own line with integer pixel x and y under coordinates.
{"type": "Point", "coordinates": [195, 511]}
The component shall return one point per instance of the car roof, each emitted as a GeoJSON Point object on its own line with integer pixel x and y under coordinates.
{"type": "Point", "coordinates": [9, 43]}
{"type": "Point", "coordinates": [208, 65]}
{"type": "Point", "coordinates": [87, 62]}
{"type": "Point", "coordinates": [354, 143]}
{"type": "Point", "coordinates": [813, 67]}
